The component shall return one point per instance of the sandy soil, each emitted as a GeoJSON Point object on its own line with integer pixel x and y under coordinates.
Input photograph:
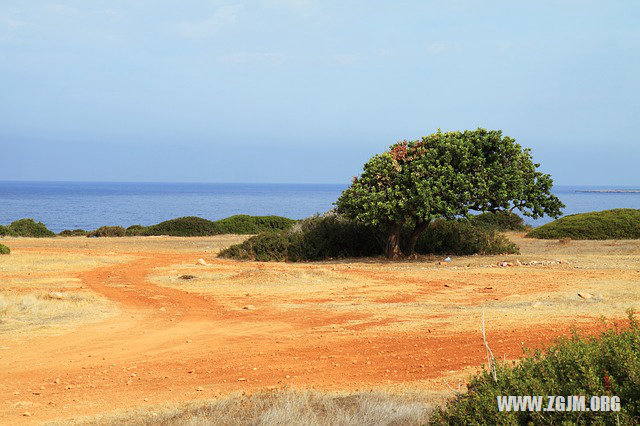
{"type": "Point", "coordinates": [246, 326]}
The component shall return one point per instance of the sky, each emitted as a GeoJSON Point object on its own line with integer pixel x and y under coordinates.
{"type": "Point", "coordinates": [305, 91]}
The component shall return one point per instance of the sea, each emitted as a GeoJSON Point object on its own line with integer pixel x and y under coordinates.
{"type": "Point", "coordinates": [88, 205]}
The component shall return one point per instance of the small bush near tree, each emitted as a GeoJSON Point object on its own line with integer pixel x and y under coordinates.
{"type": "Point", "coordinates": [603, 225]}
{"type": "Point", "coordinates": [107, 231]}
{"type": "Point", "coordinates": [500, 221]}
{"type": "Point", "coordinates": [460, 237]}
{"type": "Point", "coordinates": [28, 228]}
{"type": "Point", "coordinates": [4, 249]}
{"type": "Point", "coordinates": [606, 365]}
{"type": "Point", "coordinates": [4, 230]}
{"type": "Point", "coordinates": [73, 233]}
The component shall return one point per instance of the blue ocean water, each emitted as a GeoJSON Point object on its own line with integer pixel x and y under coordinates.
{"type": "Point", "coordinates": [70, 205]}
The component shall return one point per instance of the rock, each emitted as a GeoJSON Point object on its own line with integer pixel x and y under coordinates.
{"type": "Point", "coordinates": [202, 262]}
{"type": "Point", "coordinates": [57, 380]}
{"type": "Point", "coordinates": [503, 264]}
{"type": "Point", "coordinates": [163, 309]}
{"type": "Point", "coordinates": [249, 307]}
{"type": "Point", "coordinates": [585, 295]}
{"type": "Point", "coordinates": [200, 389]}
{"type": "Point", "coordinates": [26, 414]}
{"type": "Point", "coordinates": [518, 262]}
{"type": "Point", "coordinates": [187, 277]}
{"type": "Point", "coordinates": [241, 379]}
{"type": "Point", "coordinates": [443, 263]}
{"type": "Point", "coordinates": [447, 259]}
{"type": "Point", "coordinates": [55, 295]}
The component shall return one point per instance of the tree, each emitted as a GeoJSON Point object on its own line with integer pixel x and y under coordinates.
{"type": "Point", "coordinates": [445, 175]}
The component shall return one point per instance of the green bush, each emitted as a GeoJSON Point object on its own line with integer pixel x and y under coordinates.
{"type": "Point", "coordinates": [28, 228]}
{"type": "Point", "coordinates": [602, 225]}
{"type": "Point", "coordinates": [190, 226]}
{"type": "Point", "coordinates": [135, 230]}
{"type": "Point", "coordinates": [4, 249]}
{"type": "Point", "coordinates": [315, 238]}
{"type": "Point", "coordinates": [268, 246]}
{"type": "Point", "coordinates": [320, 238]}
{"type": "Point", "coordinates": [606, 365]}
{"type": "Point", "coordinates": [500, 221]}
{"type": "Point", "coordinates": [73, 233]}
{"type": "Point", "coordinates": [461, 237]}
{"type": "Point", "coordinates": [4, 230]}
{"type": "Point", "coordinates": [107, 231]}
{"type": "Point", "coordinates": [245, 224]}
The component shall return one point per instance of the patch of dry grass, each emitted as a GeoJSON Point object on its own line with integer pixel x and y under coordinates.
{"type": "Point", "coordinates": [282, 407]}
{"type": "Point", "coordinates": [53, 263]}
{"type": "Point", "coordinates": [50, 311]}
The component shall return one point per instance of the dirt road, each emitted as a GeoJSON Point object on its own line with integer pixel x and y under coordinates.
{"type": "Point", "coordinates": [243, 326]}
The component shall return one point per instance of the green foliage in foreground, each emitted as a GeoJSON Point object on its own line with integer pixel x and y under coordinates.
{"type": "Point", "coordinates": [500, 221]}
{"type": "Point", "coordinates": [73, 233]}
{"type": "Point", "coordinates": [330, 237]}
{"type": "Point", "coordinates": [602, 225]}
{"type": "Point", "coordinates": [606, 365]}
{"type": "Point", "coordinates": [26, 228]}
{"type": "Point", "coordinates": [4, 249]}
{"type": "Point", "coordinates": [107, 231]}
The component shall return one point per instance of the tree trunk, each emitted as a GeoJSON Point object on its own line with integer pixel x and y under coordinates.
{"type": "Point", "coordinates": [392, 249]}
{"type": "Point", "coordinates": [415, 234]}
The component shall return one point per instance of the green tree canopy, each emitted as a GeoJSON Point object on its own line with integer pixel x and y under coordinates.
{"type": "Point", "coordinates": [446, 175]}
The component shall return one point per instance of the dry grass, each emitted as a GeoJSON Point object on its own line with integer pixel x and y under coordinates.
{"type": "Point", "coordinates": [49, 311]}
{"type": "Point", "coordinates": [35, 263]}
{"type": "Point", "coordinates": [283, 407]}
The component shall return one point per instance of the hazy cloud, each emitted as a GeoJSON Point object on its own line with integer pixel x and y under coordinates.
{"type": "Point", "coordinates": [226, 16]}
{"type": "Point", "coordinates": [256, 58]}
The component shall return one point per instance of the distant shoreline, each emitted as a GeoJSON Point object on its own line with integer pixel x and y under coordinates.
{"type": "Point", "coordinates": [614, 191]}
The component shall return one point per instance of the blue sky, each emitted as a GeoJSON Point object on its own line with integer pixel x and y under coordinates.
{"type": "Point", "coordinates": [307, 91]}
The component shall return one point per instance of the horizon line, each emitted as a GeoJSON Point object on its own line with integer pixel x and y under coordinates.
{"type": "Point", "coordinates": [625, 186]}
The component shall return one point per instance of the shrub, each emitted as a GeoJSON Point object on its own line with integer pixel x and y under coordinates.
{"type": "Point", "coordinates": [607, 365]}
{"type": "Point", "coordinates": [315, 238]}
{"type": "Point", "coordinates": [135, 230]}
{"type": "Point", "coordinates": [245, 224]}
{"type": "Point", "coordinates": [73, 233]}
{"type": "Point", "coordinates": [602, 225]}
{"type": "Point", "coordinates": [190, 226]}
{"type": "Point", "coordinates": [29, 228]}
{"type": "Point", "coordinates": [4, 230]}
{"type": "Point", "coordinates": [108, 231]}
{"type": "Point", "coordinates": [500, 221]}
{"type": "Point", "coordinates": [461, 237]}
{"type": "Point", "coordinates": [4, 249]}
{"type": "Point", "coordinates": [268, 246]}
{"type": "Point", "coordinates": [334, 236]}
